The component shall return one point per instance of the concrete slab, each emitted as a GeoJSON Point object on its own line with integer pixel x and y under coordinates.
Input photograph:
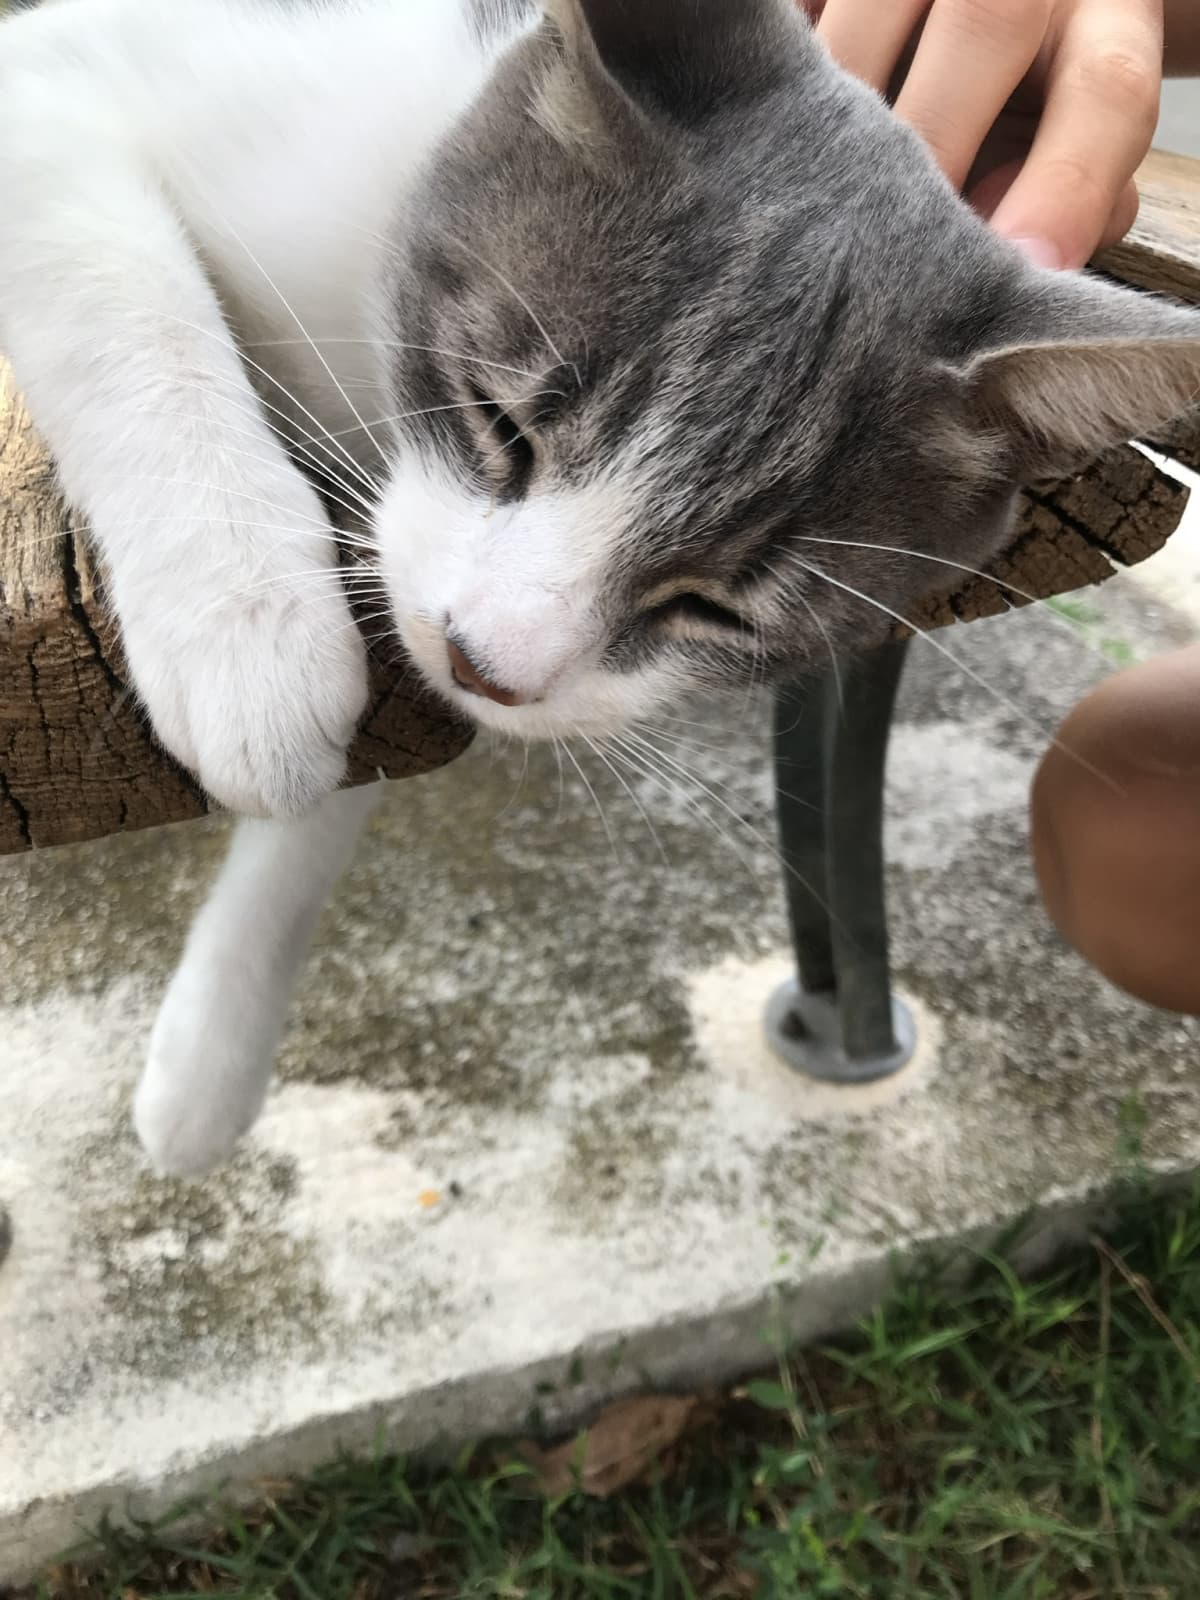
{"type": "Point", "coordinates": [525, 1112]}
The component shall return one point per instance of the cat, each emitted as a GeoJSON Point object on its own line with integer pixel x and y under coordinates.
{"type": "Point", "coordinates": [639, 343]}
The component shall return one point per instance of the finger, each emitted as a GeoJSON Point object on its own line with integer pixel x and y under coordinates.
{"type": "Point", "coordinates": [1002, 155]}
{"type": "Point", "coordinates": [1123, 216]}
{"type": "Point", "coordinates": [1101, 111]}
{"type": "Point", "coordinates": [868, 38]}
{"type": "Point", "coordinates": [986, 195]}
{"type": "Point", "coordinates": [972, 55]}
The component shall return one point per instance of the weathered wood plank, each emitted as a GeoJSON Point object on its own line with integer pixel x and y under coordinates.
{"type": "Point", "coordinates": [1162, 254]}
{"type": "Point", "coordinates": [77, 759]}
{"type": "Point", "coordinates": [1069, 536]}
{"type": "Point", "coordinates": [1162, 250]}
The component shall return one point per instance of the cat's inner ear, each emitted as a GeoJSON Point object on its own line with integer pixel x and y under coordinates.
{"type": "Point", "coordinates": [687, 58]}
{"type": "Point", "coordinates": [1057, 404]}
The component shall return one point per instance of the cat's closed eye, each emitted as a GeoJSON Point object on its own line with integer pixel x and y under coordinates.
{"type": "Point", "coordinates": [689, 608]}
{"type": "Point", "coordinates": [508, 457]}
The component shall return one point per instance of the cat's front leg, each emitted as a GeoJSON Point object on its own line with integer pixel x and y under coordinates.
{"type": "Point", "coordinates": [240, 641]}
{"type": "Point", "coordinates": [221, 1020]}
{"type": "Point", "coordinates": [221, 562]}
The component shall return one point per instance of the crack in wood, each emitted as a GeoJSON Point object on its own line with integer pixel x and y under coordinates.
{"type": "Point", "coordinates": [24, 825]}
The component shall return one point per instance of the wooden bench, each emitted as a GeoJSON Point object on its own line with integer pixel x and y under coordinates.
{"type": "Point", "coordinates": [78, 761]}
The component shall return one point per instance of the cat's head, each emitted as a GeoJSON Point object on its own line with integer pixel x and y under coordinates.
{"type": "Point", "coordinates": [697, 346]}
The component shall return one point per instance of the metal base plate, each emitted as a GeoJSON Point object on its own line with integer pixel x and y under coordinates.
{"type": "Point", "coordinates": [805, 1031]}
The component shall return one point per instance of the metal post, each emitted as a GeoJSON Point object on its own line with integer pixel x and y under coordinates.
{"type": "Point", "coordinates": [839, 1021]}
{"type": "Point", "coordinates": [800, 798]}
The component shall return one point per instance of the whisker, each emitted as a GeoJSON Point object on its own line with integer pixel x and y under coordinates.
{"type": "Point", "coordinates": [228, 344]}
{"type": "Point", "coordinates": [311, 525]}
{"type": "Point", "coordinates": [293, 314]}
{"type": "Point", "coordinates": [556, 745]}
{"type": "Point", "coordinates": [83, 530]}
{"type": "Point", "coordinates": [519, 786]}
{"type": "Point", "coordinates": [325, 468]}
{"type": "Point", "coordinates": [359, 622]}
{"type": "Point", "coordinates": [612, 843]}
{"type": "Point", "coordinates": [115, 706]}
{"type": "Point", "coordinates": [975, 572]}
{"type": "Point", "coordinates": [400, 344]}
{"type": "Point", "coordinates": [688, 746]}
{"type": "Point", "coordinates": [968, 672]}
{"type": "Point", "coordinates": [642, 766]}
{"type": "Point", "coordinates": [286, 436]}
{"type": "Point", "coordinates": [759, 838]}
{"type": "Point", "coordinates": [686, 741]}
{"type": "Point", "coordinates": [834, 664]}
{"type": "Point", "coordinates": [337, 499]}
{"type": "Point", "coordinates": [685, 722]}
{"type": "Point", "coordinates": [597, 750]}
{"type": "Point", "coordinates": [330, 575]}
{"type": "Point", "coordinates": [521, 301]}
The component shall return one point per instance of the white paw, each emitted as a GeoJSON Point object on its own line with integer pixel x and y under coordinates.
{"type": "Point", "coordinates": [203, 1086]}
{"type": "Point", "coordinates": [250, 665]}
{"type": "Point", "coordinates": [182, 1136]}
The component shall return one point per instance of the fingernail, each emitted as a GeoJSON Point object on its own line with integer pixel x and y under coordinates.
{"type": "Point", "coordinates": [1041, 252]}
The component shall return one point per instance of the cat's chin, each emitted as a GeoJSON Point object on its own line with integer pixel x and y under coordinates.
{"type": "Point", "coordinates": [575, 714]}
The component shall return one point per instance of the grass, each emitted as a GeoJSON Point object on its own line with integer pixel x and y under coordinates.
{"type": "Point", "coordinates": [1002, 1440]}
{"type": "Point", "coordinates": [1090, 622]}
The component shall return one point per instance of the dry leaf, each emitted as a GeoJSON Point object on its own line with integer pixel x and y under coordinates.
{"type": "Point", "coordinates": [737, 1586]}
{"type": "Point", "coordinates": [619, 1448]}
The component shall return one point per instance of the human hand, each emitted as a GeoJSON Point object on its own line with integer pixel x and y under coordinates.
{"type": "Point", "coordinates": [1040, 110]}
{"type": "Point", "coordinates": [1115, 814]}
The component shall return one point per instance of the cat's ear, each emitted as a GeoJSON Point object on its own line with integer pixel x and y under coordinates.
{"type": "Point", "coordinates": [687, 58]}
{"type": "Point", "coordinates": [1098, 366]}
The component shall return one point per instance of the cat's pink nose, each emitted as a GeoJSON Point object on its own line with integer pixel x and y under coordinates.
{"type": "Point", "coordinates": [469, 677]}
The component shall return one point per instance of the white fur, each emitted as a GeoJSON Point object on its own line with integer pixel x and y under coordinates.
{"type": "Point", "coordinates": [128, 131]}
{"type": "Point", "coordinates": [215, 1038]}
{"type": "Point", "coordinates": [520, 588]}
{"type": "Point", "coordinates": [161, 166]}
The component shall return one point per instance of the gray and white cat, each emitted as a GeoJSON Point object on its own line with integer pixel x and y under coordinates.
{"type": "Point", "coordinates": [643, 341]}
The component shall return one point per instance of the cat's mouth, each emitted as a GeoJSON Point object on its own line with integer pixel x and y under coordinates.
{"type": "Point", "coordinates": [574, 700]}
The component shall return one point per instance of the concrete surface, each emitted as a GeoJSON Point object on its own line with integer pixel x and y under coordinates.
{"type": "Point", "coordinates": [525, 1111]}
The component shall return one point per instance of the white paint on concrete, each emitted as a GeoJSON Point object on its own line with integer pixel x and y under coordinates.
{"type": "Point", "coordinates": [727, 1005]}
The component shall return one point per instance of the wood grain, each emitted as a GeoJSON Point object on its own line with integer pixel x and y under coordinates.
{"type": "Point", "coordinates": [1162, 250]}
{"type": "Point", "coordinates": [78, 760]}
